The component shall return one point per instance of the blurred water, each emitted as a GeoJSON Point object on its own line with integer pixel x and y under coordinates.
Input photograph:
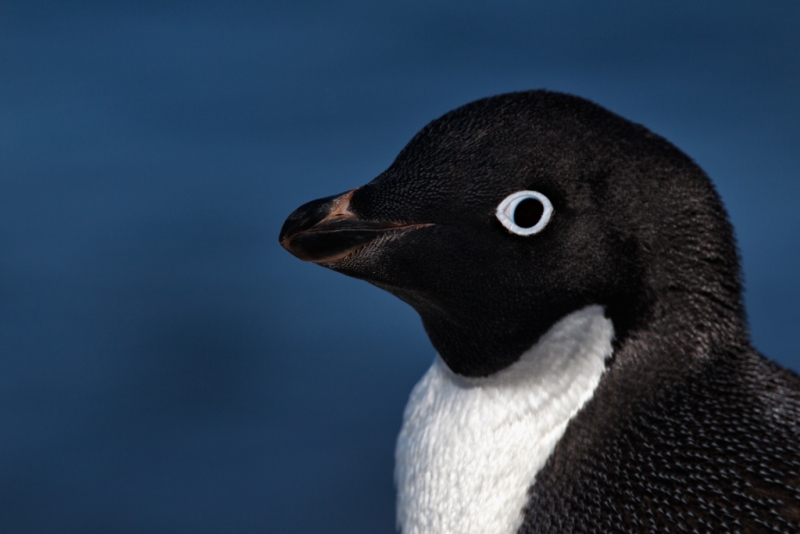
{"type": "Point", "coordinates": [164, 365]}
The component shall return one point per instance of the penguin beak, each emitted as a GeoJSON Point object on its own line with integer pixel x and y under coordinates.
{"type": "Point", "coordinates": [325, 230]}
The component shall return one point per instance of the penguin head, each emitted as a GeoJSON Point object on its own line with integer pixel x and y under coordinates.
{"type": "Point", "coordinates": [505, 215]}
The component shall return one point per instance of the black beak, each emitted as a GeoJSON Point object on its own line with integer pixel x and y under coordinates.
{"type": "Point", "coordinates": [326, 230]}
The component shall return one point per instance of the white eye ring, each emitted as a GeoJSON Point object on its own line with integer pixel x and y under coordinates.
{"type": "Point", "coordinates": [506, 209]}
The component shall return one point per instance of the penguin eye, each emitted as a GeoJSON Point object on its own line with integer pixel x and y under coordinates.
{"type": "Point", "coordinates": [524, 212]}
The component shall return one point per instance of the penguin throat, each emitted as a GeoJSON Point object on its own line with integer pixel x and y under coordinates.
{"type": "Point", "coordinates": [470, 448]}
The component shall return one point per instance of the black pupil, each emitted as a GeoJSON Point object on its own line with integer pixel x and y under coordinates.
{"type": "Point", "coordinates": [528, 213]}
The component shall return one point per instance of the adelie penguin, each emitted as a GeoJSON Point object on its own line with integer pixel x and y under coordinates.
{"type": "Point", "coordinates": [579, 280]}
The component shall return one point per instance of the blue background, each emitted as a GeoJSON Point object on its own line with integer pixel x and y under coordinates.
{"type": "Point", "coordinates": [164, 365]}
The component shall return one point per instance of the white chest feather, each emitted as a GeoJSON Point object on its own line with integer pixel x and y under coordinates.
{"type": "Point", "coordinates": [470, 448]}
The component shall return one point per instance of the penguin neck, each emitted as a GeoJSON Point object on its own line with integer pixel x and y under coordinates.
{"type": "Point", "coordinates": [678, 329]}
{"type": "Point", "coordinates": [470, 448]}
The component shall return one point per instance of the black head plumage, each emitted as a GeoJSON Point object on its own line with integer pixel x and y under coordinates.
{"type": "Point", "coordinates": [636, 227]}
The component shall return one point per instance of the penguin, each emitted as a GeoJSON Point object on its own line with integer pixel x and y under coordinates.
{"type": "Point", "coordinates": [579, 279]}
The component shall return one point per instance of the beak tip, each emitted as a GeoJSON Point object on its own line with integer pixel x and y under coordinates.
{"type": "Point", "coordinates": [307, 217]}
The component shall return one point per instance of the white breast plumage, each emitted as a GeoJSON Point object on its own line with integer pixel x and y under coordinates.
{"type": "Point", "coordinates": [470, 449]}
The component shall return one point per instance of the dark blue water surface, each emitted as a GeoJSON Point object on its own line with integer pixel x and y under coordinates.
{"type": "Point", "coordinates": [164, 365]}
